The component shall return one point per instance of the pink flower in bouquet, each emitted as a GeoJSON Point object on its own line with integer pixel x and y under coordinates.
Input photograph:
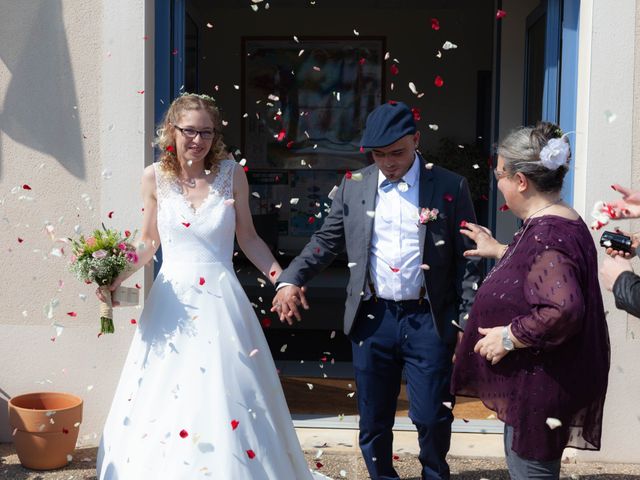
{"type": "Point", "coordinates": [122, 246]}
{"type": "Point", "coordinates": [428, 215]}
{"type": "Point", "coordinates": [91, 241]}
{"type": "Point", "coordinates": [99, 254]}
{"type": "Point", "coordinates": [132, 257]}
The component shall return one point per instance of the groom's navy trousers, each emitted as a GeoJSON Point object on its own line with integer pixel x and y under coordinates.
{"type": "Point", "coordinates": [389, 337]}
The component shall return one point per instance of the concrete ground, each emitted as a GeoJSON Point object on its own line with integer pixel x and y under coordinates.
{"type": "Point", "coordinates": [335, 454]}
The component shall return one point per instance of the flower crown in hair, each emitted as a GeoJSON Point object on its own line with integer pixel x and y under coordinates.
{"type": "Point", "coordinates": [556, 152]}
{"type": "Point", "coordinates": [202, 96]}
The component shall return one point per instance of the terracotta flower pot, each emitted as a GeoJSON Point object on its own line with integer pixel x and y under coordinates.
{"type": "Point", "coordinates": [45, 428]}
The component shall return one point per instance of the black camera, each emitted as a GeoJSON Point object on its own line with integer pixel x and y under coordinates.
{"type": "Point", "coordinates": [616, 241]}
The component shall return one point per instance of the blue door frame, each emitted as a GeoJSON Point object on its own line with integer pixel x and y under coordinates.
{"type": "Point", "coordinates": [559, 103]}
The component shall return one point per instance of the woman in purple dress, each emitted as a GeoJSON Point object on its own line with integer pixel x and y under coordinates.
{"type": "Point", "coordinates": [536, 347]}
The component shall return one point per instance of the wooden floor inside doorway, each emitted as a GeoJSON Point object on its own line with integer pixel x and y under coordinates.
{"type": "Point", "coordinates": [335, 396]}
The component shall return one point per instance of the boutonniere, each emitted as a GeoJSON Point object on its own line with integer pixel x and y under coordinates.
{"type": "Point", "coordinates": [428, 215]}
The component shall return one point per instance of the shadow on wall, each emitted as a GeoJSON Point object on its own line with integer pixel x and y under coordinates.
{"type": "Point", "coordinates": [38, 109]}
{"type": "Point", "coordinates": [5, 429]}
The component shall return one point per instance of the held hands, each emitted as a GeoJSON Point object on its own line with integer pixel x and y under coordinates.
{"type": "Point", "coordinates": [286, 303]}
{"type": "Point", "coordinates": [611, 269]}
{"type": "Point", "coordinates": [486, 245]}
{"type": "Point", "coordinates": [490, 346]}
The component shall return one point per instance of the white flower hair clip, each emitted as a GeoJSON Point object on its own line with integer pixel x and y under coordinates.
{"type": "Point", "coordinates": [555, 153]}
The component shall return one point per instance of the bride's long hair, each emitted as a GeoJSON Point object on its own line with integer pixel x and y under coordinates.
{"type": "Point", "coordinates": [166, 133]}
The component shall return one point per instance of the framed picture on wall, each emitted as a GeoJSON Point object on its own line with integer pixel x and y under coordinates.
{"type": "Point", "coordinates": [306, 102]}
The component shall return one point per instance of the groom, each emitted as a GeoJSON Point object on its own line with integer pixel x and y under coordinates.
{"type": "Point", "coordinates": [410, 288]}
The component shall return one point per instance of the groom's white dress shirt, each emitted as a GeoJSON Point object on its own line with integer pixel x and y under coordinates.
{"type": "Point", "coordinates": [395, 257]}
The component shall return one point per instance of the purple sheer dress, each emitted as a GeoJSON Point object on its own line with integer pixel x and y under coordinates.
{"type": "Point", "coordinates": [546, 286]}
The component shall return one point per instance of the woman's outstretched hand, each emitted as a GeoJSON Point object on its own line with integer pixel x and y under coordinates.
{"type": "Point", "coordinates": [486, 245]}
{"type": "Point", "coordinates": [629, 205]}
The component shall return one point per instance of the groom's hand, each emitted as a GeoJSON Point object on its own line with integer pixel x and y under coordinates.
{"type": "Point", "coordinates": [286, 303]}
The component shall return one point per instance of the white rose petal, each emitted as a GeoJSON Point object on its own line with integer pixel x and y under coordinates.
{"type": "Point", "coordinates": [553, 423]}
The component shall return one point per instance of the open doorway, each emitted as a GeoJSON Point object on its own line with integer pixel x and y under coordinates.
{"type": "Point", "coordinates": [295, 82]}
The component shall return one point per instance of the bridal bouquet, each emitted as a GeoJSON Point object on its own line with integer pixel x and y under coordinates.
{"type": "Point", "coordinates": [100, 258]}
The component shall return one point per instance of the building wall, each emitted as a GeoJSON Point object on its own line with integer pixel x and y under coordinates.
{"type": "Point", "coordinates": [73, 127]}
{"type": "Point", "coordinates": [607, 138]}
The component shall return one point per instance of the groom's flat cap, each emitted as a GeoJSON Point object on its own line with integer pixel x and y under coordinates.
{"type": "Point", "coordinates": [387, 124]}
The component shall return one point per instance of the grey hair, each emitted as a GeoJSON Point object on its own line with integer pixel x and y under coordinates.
{"type": "Point", "coordinates": [521, 152]}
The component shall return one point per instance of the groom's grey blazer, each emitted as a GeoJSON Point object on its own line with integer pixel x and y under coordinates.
{"type": "Point", "coordinates": [451, 280]}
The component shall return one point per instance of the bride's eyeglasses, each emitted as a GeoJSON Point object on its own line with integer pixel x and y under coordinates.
{"type": "Point", "coordinates": [500, 173]}
{"type": "Point", "coordinates": [193, 133]}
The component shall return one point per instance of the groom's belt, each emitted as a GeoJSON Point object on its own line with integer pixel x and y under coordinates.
{"type": "Point", "coordinates": [405, 303]}
{"type": "Point", "coordinates": [418, 301]}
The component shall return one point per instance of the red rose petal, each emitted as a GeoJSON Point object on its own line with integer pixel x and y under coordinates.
{"type": "Point", "coordinates": [245, 168]}
{"type": "Point", "coordinates": [392, 102]}
{"type": "Point", "coordinates": [26, 187]}
{"type": "Point", "coordinates": [348, 175]}
{"type": "Point", "coordinates": [266, 322]}
{"type": "Point", "coordinates": [133, 321]}
{"type": "Point", "coordinates": [435, 24]}
{"type": "Point", "coordinates": [174, 51]}
{"type": "Point", "coordinates": [448, 197]}
{"type": "Point", "coordinates": [362, 60]}
{"type": "Point", "coordinates": [53, 339]}
{"type": "Point", "coordinates": [171, 148]}
{"type": "Point", "coordinates": [20, 240]}
{"type": "Point", "coordinates": [501, 14]}
{"type": "Point", "coordinates": [281, 135]}
{"type": "Point", "coordinates": [396, 457]}
{"type": "Point", "coordinates": [504, 208]}
{"type": "Point", "coordinates": [311, 219]}
{"type": "Point", "coordinates": [416, 113]}
{"type": "Point", "coordinates": [361, 149]}
{"type": "Point", "coordinates": [251, 454]}
{"type": "Point", "coordinates": [234, 424]}
{"type": "Point", "coordinates": [484, 197]}
{"type": "Point", "coordinates": [140, 91]}
{"type": "Point", "coordinates": [290, 144]}
{"type": "Point", "coordinates": [463, 223]}
{"type": "Point", "coordinates": [319, 465]}
{"type": "Point", "coordinates": [394, 70]}
{"type": "Point", "coordinates": [201, 282]}
{"type": "Point", "coordinates": [438, 81]}
{"type": "Point", "coordinates": [65, 431]}
{"type": "Point", "coordinates": [110, 214]}
{"type": "Point", "coordinates": [127, 233]}
{"type": "Point", "coordinates": [72, 314]}
{"type": "Point", "coordinates": [272, 273]}
{"type": "Point", "coordinates": [184, 433]}
{"type": "Point", "coordinates": [138, 286]}
{"type": "Point", "coordinates": [394, 269]}
{"type": "Point", "coordinates": [186, 224]}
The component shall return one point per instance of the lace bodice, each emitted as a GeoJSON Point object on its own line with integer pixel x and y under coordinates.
{"type": "Point", "coordinates": [196, 235]}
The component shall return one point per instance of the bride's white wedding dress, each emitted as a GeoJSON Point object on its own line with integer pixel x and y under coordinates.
{"type": "Point", "coordinates": [199, 395]}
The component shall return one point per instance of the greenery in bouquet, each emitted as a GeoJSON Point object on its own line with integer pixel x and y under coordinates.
{"type": "Point", "coordinates": [100, 258]}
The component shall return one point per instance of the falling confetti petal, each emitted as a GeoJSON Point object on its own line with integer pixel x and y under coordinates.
{"type": "Point", "coordinates": [449, 46]}
{"type": "Point", "coordinates": [438, 81]}
{"type": "Point", "coordinates": [251, 454]}
{"type": "Point", "coordinates": [500, 14]}
{"type": "Point", "coordinates": [234, 424]}
{"type": "Point", "coordinates": [553, 423]}
{"type": "Point", "coordinates": [394, 69]}
{"type": "Point", "coordinates": [184, 433]}
{"type": "Point", "coordinates": [435, 24]}
{"type": "Point", "coordinates": [504, 208]}
{"type": "Point", "coordinates": [413, 88]}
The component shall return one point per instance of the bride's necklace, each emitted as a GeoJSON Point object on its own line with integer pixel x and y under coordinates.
{"type": "Point", "coordinates": [521, 231]}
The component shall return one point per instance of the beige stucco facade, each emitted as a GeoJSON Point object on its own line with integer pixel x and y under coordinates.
{"type": "Point", "coordinates": [76, 125]}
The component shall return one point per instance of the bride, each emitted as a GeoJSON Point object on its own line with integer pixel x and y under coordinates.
{"type": "Point", "coordinates": [199, 395]}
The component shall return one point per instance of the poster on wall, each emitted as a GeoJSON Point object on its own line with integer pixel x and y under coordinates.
{"type": "Point", "coordinates": [306, 102]}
